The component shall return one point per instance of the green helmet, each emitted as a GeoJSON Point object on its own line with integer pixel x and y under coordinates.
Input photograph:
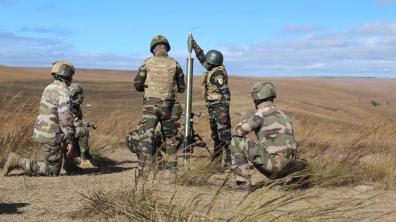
{"type": "Point", "coordinates": [214, 57]}
{"type": "Point", "coordinates": [159, 39]}
{"type": "Point", "coordinates": [63, 68]}
{"type": "Point", "coordinates": [76, 92]}
{"type": "Point", "coordinates": [263, 90]}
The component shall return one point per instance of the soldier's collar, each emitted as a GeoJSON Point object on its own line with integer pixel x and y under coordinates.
{"type": "Point", "coordinates": [264, 104]}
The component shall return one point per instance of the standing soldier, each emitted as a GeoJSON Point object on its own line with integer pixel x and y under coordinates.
{"type": "Point", "coordinates": [54, 128]}
{"type": "Point", "coordinates": [217, 97]}
{"type": "Point", "coordinates": [275, 152]}
{"type": "Point", "coordinates": [81, 126]}
{"type": "Point", "coordinates": [157, 78]}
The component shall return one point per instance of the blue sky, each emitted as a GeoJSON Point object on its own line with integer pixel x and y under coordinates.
{"type": "Point", "coordinates": [277, 37]}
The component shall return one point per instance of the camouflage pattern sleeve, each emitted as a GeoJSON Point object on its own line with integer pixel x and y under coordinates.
{"type": "Point", "coordinates": [138, 82]}
{"type": "Point", "coordinates": [201, 55]}
{"type": "Point", "coordinates": [181, 85]}
{"type": "Point", "coordinates": [247, 126]}
{"type": "Point", "coordinates": [65, 116]}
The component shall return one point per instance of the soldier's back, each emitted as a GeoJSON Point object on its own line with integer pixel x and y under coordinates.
{"type": "Point", "coordinates": [276, 131]}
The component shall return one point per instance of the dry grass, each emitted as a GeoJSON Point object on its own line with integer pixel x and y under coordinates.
{"type": "Point", "coordinates": [196, 172]}
{"type": "Point", "coordinates": [16, 127]}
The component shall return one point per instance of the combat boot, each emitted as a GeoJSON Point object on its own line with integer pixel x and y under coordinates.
{"type": "Point", "coordinates": [14, 161]}
{"type": "Point", "coordinates": [85, 162]}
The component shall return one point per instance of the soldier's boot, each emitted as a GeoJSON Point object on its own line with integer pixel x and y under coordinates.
{"type": "Point", "coordinates": [171, 151]}
{"type": "Point", "coordinates": [85, 162]}
{"type": "Point", "coordinates": [144, 164]}
{"type": "Point", "coordinates": [217, 153]}
{"type": "Point", "coordinates": [242, 177]}
{"type": "Point", "coordinates": [228, 159]}
{"type": "Point", "coordinates": [14, 162]}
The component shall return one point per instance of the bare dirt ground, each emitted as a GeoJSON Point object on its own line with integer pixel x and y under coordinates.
{"type": "Point", "coordinates": [116, 108]}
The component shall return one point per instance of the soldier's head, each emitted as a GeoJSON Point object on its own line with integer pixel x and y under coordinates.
{"type": "Point", "coordinates": [63, 71]}
{"type": "Point", "coordinates": [263, 92]}
{"type": "Point", "coordinates": [214, 58]}
{"type": "Point", "coordinates": [77, 93]}
{"type": "Point", "coordinates": [159, 44]}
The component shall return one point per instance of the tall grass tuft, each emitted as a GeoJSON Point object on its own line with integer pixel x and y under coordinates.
{"type": "Point", "coordinates": [16, 128]}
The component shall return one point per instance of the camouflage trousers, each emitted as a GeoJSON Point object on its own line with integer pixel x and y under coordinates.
{"type": "Point", "coordinates": [272, 165]}
{"type": "Point", "coordinates": [52, 165]}
{"type": "Point", "coordinates": [82, 138]}
{"type": "Point", "coordinates": [166, 113]}
{"type": "Point", "coordinates": [220, 125]}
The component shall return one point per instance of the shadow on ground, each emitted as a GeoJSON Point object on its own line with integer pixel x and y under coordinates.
{"type": "Point", "coordinates": [12, 208]}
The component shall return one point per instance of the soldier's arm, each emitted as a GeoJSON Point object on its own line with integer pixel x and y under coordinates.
{"type": "Point", "coordinates": [247, 126]}
{"type": "Point", "coordinates": [218, 79]}
{"type": "Point", "coordinates": [200, 55]}
{"type": "Point", "coordinates": [138, 82]}
{"type": "Point", "coordinates": [181, 85]}
{"type": "Point", "coordinates": [65, 116]}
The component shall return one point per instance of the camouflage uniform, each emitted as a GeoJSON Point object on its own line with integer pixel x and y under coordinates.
{"type": "Point", "coordinates": [82, 131]}
{"type": "Point", "coordinates": [275, 147]}
{"type": "Point", "coordinates": [157, 78]}
{"type": "Point", "coordinates": [217, 96]}
{"type": "Point", "coordinates": [53, 128]}
{"type": "Point", "coordinates": [81, 126]}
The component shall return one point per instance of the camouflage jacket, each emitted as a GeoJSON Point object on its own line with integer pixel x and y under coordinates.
{"type": "Point", "coordinates": [143, 72]}
{"type": "Point", "coordinates": [78, 116]}
{"type": "Point", "coordinates": [214, 81]}
{"type": "Point", "coordinates": [273, 128]}
{"type": "Point", "coordinates": [54, 123]}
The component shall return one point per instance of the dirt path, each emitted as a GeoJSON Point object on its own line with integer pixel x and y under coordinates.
{"type": "Point", "coordinates": [56, 198]}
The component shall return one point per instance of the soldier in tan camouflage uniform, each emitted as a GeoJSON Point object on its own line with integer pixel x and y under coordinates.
{"type": "Point", "coordinates": [81, 126]}
{"type": "Point", "coordinates": [54, 128]}
{"type": "Point", "coordinates": [157, 78]}
{"type": "Point", "coordinates": [217, 96]}
{"type": "Point", "coordinates": [276, 146]}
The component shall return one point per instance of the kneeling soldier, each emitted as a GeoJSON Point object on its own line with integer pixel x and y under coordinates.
{"type": "Point", "coordinates": [54, 128]}
{"type": "Point", "coordinates": [82, 126]}
{"type": "Point", "coordinates": [275, 149]}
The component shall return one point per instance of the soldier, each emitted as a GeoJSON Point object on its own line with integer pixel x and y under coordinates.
{"type": "Point", "coordinates": [275, 152]}
{"type": "Point", "coordinates": [53, 128]}
{"type": "Point", "coordinates": [157, 78]}
{"type": "Point", "coordinates": [217, 96]}
{"type": "Point", "coordinates": [81, 126]}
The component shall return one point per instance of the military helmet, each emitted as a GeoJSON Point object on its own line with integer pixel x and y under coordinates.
{"type": "Point", "coordinates": [214, 57]}
{"type": "Point", "coordinates": [159, 39]}
{"type": "Point", "coordinates": [63, 68]}
{"type": "Point", "coordinates": [75, 88]}
{"type": "Point", "coordinates": [263, 90]}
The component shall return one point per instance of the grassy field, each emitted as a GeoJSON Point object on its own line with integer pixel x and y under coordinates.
{"type": "Point", "coordinates": [345, 127]}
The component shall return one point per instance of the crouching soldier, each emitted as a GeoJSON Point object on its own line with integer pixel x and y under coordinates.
{"type": "Point", "coordinates": [157, 78]}
{"type": "Point", "coordinates": [274, 153]}
{"type": "Point", "coordinates": [54, 128]}
{"type": "Point", "coordinates": [81, 126]}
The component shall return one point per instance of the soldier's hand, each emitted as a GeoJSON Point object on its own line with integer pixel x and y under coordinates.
{"type": "Point", "coordinates": [194, 43]}
{"type": "Point", "coordinates": [93, 125]}
{"type": "Point", "coordinates": [69, 150]}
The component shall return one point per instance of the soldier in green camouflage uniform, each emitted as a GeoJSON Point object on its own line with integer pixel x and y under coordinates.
{"type": "Point", "coordinates": [276, 146]}
{"type": "Point", "coordinates": [54, 128]}
{"type": "Point", "coordinates": [157, 78]}
{"type": "Point", "coordinates": [217, 96]}
{"type": "Point", "coordinates": [81, 126]}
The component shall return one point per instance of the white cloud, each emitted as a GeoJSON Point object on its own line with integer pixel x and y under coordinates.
{"type": "Point", "coordinates": [367, 50]}
{"type": "Point", "coordinates": [385, 2]}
